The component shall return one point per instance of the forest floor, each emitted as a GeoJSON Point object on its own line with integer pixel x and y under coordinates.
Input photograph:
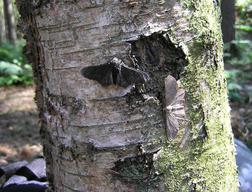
{"type": "Point", "coordinates": [19, 125]}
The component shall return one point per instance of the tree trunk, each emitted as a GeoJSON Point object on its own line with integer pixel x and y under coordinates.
{"type": "Point", "coordinates": [228, 20]}
{"type": "Point", "coordinates": [113, 118]}
{"type": "Point", "coordinates": [10, 23]}
{"type": "Point", "coordinates": [1, 29]}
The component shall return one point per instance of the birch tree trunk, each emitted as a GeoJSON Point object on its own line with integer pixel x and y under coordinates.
{"type": "Point", "coordinates": [116, 128]}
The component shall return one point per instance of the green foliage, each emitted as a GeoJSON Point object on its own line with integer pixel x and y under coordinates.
{"type": "Point", "coordinates": [245, 28]}
{"type": "Point", "coordinates": [244, 15]}
{"type": "Point", "coordinates": [239, 57]}
{"type": "Point", "coordinates": [7, 68]}
{"type": "Point", "coordinates": [243, 6]}
{"type": "Point", "coordinates": [13, 66]}
{"type": "Point", "coordinates": [242, 3]}
{"type": "Point", "coordinates": [238, 54]}
{"type": "Point", "coordinates": [235, 86]}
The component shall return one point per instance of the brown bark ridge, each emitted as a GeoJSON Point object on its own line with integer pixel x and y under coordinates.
{"type": "Point", "coordinates": [100, 69]}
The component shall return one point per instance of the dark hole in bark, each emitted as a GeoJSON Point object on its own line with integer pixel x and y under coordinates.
{"type": "Point", "coordinates": [139, 170]}
{"type": "Point", "coordinates": [202, 132]}
{"type": "Point", "coordinates": [157, 54]}
{"type": "Point", "coordinates": [192, 187]}
{"type": "Point", "coordinates": [159, 57]}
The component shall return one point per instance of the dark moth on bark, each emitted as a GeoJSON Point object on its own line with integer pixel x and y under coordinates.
{"type": "Point", "coordinates": [115, 72]}
{"type": "Point", "coordinates": [175, 107]}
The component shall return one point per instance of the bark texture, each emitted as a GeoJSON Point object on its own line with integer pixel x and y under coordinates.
{"type": "Point", "coordinates": [112, 138]}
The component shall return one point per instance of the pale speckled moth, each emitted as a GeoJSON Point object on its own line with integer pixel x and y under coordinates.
{"type": "Point", "coordinates": [175, 106]}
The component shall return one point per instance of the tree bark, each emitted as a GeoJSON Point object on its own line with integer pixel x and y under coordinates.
{"type": "Point", "coordinates": [9, 22]}
{"type": "Point", "coordinates": [118, 132]}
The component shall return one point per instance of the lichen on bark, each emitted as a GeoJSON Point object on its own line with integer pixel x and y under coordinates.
{"type": "Point", "coordinates": [209, 110]}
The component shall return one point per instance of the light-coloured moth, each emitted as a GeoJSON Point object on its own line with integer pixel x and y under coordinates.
{"type": "Point", "coordinates": [175, 107]}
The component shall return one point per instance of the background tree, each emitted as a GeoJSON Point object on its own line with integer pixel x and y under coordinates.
{"type": "Point", "coordinates": [228, 20]}
{"type": "Point", "coordinates": [2, 27]}
{"type": "Point", "coordinates": [10, 22]}
{"type": "Point", "coordinates": [135, 129]}
{"type": "Point", "coordinates": [1, 30]}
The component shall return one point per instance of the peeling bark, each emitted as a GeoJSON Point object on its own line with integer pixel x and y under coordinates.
{"type": "Point", "coordinates": [112, 137]}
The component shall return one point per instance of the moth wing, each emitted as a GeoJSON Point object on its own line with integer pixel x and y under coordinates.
{"type": "Point", "coordinates": [172, 126]}
{"type": "Point", "coordinates": [130, 76]}
{"type": "Point", "coordinates": [180, 114]}
{"type": "Point", "coordinates": [180, 100]}
{"type": "Point", "coordinates": [170, 89]}
{"type": "Point", "coordinates": [101, 73]}
{"type": "Point", "coordinates": [180, 96]}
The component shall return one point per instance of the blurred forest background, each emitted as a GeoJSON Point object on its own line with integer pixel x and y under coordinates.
{"type": "Point", "coordinates": [19, 126]}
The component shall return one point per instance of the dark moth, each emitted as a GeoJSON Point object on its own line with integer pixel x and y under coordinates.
{"type": "Point", "coordinates": [115, 72]}
{"type": "Point", "coordinates": [175, 106]}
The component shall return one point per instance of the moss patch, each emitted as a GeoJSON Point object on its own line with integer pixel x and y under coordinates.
{"type": "Point", "coordinates": [208, 163]}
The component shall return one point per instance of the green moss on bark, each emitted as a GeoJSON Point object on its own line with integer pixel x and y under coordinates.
{"type": "Point", "coordinates": [208, 163]}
